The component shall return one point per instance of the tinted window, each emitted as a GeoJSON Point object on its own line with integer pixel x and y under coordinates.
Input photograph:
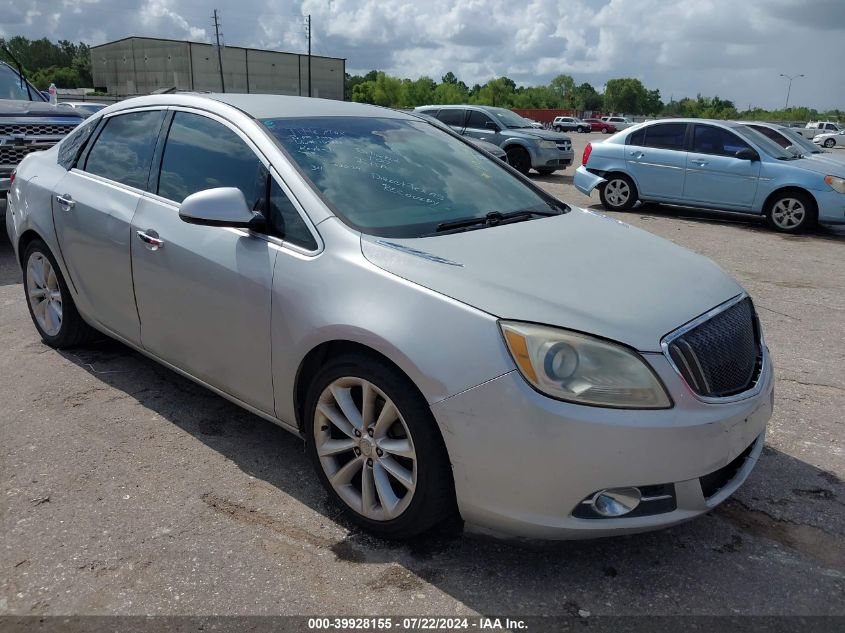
{"type": "Point", "coordinates": [774, 135]}
{"type": "Point", "coordinates": [478, 120]}
{"type": "Point", "coordinates": [202, 154]}
{"type": "Point", "coordinates": [715, 140]}
{"type": "Point", "coordinates": [286, 221]}
{"type": "Point", "coordinates": [452, 117]}
{"type": "Point", "coordinates": [665, 135]}
{"type": "Point", "coordinates": [400, 177]}
{"type": "Point", "coordinates": [73, 143]}
{"type": "Point", "coordinates": [124, 149]}
{"type": "Point", "coordinates": [637, 138]}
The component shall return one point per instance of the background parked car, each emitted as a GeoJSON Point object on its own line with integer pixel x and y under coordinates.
{"type": "Point", "coordinates": [814, 128]}
{"type": "Point", "coordinates": [597, 125]}
{"type": "Point", "coordinates": [86, 106]}
{"type": "Point", "coordinates": [619, 122]}
{"type": "Point", "coordinates": [570, 124]}
{"type": "Point", "coordinates": [717, 165]}
{"type": "Point", "coordinates": [526, 146]}
{"type": "Point", "coordinates": [787, 138]}
{"type": "Point", "coordinates": [831, 139]}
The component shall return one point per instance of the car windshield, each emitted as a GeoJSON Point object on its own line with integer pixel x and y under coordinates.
{"type": "Point", "coordinates": [12, 87]}
{"type": "Point", "coordinates": [762, 142]}
{"type": "Point", "coordinates": [509, 119]}
{"type": "Point", "coordinates": [401, 177]}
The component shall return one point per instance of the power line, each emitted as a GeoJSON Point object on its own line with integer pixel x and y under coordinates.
{"type": "Point", "coordinates": [219, 51]}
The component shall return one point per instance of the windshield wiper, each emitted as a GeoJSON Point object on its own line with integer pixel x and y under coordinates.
{"type": "Point", "coordinates": [494, 218]}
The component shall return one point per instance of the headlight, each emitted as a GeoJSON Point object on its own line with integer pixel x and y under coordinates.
{"type": "Point", "coordinates": [548, 144]}
{"type": "Point", "coordinates": [583, 369]}
{"type": "Point", "coordinates": [836, 183]}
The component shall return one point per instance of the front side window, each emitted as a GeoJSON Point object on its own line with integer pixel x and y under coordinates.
{"type": "Point", "coordinates": [124, 149]}
{"type": "Point", "coordinates": [285, 221]}
{"type": "Point", "coordinates": [400, 177]}
{"type": "Point", "coordinates": [201, 153]}
{"type": "Point", "coordinates": [715, 140]}
{"type": "Point", "coordinates": [665, 136]}
{"type": "Point", "coordinates": [478, 120]}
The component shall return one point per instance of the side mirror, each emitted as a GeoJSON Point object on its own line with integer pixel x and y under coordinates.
{"type": "Point", "coordinates": [747, 154]}
{"type": "Point", "coordinates": [491, 126]}
{"type": "Point", "coordinates": [222, 206]}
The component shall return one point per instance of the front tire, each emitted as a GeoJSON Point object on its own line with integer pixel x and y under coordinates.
{"type": "Point", "coordinates": [619, 193]}
{"type": "Point", "coordinates": [519, 159]}
{"type": "Point", "coordinates": [829, 142]}
{"type": "Point", "coordinates": [792, 212]}
{"type": "Point", "coordinates": [50, 304]}
{"type": "Point", "coordinates": [377, 449]}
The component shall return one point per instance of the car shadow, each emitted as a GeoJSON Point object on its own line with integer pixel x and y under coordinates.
{"type": "Point", "coordinates": [786, 504]}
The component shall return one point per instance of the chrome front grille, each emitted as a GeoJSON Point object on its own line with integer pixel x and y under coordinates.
{"type": "Point", "coordinates": [37, 129]}
{"type": "Point", "coordinates": [564, 145]}
{"type": "Point", "coordinates": [721, 355]}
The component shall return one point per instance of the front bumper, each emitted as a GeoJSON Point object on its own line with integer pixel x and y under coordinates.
{"type": "Point", "coordinates": [523, 462]}
{"type": "Point", "coordinates": [543, 158]}
{"type": "Point", "coordinates": [831, 205]}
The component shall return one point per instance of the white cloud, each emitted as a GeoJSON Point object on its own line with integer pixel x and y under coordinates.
{"type": "Point", "coordinates": [733, 48]}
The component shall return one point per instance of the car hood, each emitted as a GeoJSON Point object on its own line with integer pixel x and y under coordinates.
{"type": "Point", "coordinates": [13, 107]}
{"type": "Point", "coordinates": [823, 166]}
{"type": "Point", "coordinates": [581, 270]}
{"type": "Point", "coordinates": [546, 135]}
{"type": "Point", "coordinates": [829, 158]}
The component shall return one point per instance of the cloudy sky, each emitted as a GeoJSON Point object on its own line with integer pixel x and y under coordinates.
{"type": "Point", "coordinates": [732, 48]}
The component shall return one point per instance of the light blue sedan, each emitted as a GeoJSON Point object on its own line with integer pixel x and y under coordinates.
{"type": "Point", "coordinates": [716, 165]}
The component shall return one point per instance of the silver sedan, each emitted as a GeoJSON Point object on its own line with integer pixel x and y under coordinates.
{"type": "Point", "coordinates": [448, 339]}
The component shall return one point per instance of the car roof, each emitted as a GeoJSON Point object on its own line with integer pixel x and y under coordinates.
{"type": "Point", "coordinates": [260, 106]}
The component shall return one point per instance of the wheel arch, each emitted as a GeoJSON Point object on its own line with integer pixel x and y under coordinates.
{"type": "Point", "coordinates": [25, 239]}
{"type": "Point", "coordinates": [767, 203]}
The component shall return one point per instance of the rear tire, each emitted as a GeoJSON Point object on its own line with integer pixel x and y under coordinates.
{"type": "Point", "coordinates": [619, 193]}
{"type": "Point", "coordinates": [50, 304]}
{"type": "Point", "coordinates": [401, 479]}
{"type": "Point", "coordinates": [792, 212]}
{"type": "Point", "coordinates": [519, 159]}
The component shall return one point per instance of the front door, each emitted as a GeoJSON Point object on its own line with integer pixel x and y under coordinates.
{"type": "Point", "coordinates": [715, 176]}
{"type": "Point", "coordinates": [93, 210]}
{"type": "Point", "coordinates": [204, 292]}
{"type": "Point", "coordinates": [482, 127]}
{"type": "Point", "coordinates": [655, 157]}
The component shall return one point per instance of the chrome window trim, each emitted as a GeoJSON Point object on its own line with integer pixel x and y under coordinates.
{"type": "Point", "coordinates": [752, 391]}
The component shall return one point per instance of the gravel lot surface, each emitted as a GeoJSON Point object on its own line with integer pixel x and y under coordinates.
{"type": "Point", "coordinates": [127, 489]}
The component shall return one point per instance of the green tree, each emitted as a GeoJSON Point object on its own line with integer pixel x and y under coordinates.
{"type": "Point", "coordinates": [564, 87]}
{"type": "Point", "coordinates": [585, 97]}
{"type": "Point", "coordinates": [625, 95]}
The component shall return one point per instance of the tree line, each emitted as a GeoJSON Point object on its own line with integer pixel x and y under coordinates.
{"type": "Point", "coordinates": [64, 63]}
{"type": "Point", "coordinates": [624, 95]}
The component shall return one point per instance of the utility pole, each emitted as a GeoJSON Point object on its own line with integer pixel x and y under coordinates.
{"type": "Point", "coordinates": [219, 52]}
{"type": "Point", "coordinates": [309, 54]}
{"type": "Point", "coordinates": [789, 87]}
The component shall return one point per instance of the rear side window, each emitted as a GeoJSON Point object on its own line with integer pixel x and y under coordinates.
{"type": "Point", "coordinates": [73, 143]}
{"type": "Point", "coordinates": [666, 135]}
{"type": "Point", "coordinates": [201, 153]}
{"type": "Point", "coordinates": [637, 138]}
{"type": "Point", "coordinates": [124, 149]}
{"type": "Point", "coordinates": [715, 140]}
{"type": "Point", "coordinates": [452, 116]}
{"type": "Point", "coordinates": [286, 221]}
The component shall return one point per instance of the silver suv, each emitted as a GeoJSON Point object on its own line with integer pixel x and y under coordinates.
{"type": "Point", "coordinates": [525, 145]}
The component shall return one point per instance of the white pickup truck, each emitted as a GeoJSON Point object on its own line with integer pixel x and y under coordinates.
{"type": "Point", "coordinates": [814, 128]}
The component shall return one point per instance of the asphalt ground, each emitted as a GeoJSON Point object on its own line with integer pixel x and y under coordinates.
{"type": "Point", "coordinates": [127, 489]}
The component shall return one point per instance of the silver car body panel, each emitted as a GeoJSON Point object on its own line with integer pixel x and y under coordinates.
{"type": "Point", "coordinates": [238, 311]}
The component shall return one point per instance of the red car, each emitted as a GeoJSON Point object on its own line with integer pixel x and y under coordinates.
{"type": "Point", "coordinates": [598, 125]}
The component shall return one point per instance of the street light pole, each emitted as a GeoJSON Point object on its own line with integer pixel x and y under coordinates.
{"type": "Point", "coordinates": [789, 87]}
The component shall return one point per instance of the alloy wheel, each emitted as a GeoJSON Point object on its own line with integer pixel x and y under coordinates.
{"type": "Point", "coordinates": [788, 213]}
{"type": "Point", "coordinates": [44, 294]}
{"type": "Point", "coordinates": [829, 142]}
{"type": "Point", "coordinates": [365, 448]}
{"type": "Point", "coordinates": [617, 192]}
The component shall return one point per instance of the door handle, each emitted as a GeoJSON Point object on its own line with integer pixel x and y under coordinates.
{"type": "Point", "coordinates": [700, 163]}
{"type": "Point", "coordinates": [66, 202]}
{"type": "Point", "coordinates": [153, 243]}
{"type": "Point", "coordinates": [637, 155]}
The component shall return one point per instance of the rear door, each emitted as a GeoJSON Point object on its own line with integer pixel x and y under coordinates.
{"type": "Point", "coordinates": [93, 209]}
{"type": "Point", "coordinates": [656, 159]}
{"type": "Point", "coordinates": [715, 176]}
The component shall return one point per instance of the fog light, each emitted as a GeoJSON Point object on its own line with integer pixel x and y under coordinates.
{"type": "Point", "coordinates": [616, 502]}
